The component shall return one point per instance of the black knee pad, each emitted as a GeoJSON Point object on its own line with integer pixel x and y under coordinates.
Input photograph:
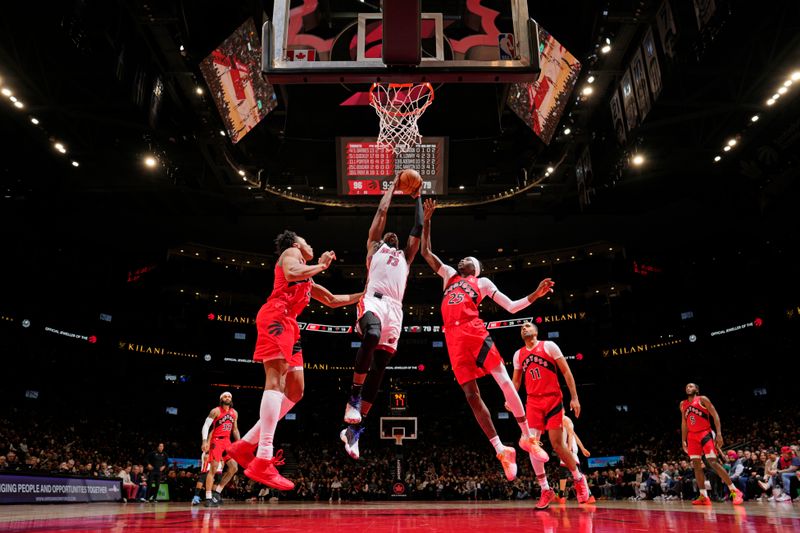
{"type": "Point", "coordinates": [370, 327]}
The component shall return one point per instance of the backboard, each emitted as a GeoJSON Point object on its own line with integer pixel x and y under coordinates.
{"type": "Point", "coordinates": [399, 428]}
{"type": "Point", "coordinates": [348, 41]}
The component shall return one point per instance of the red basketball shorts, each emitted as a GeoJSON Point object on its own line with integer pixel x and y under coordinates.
{"type": "Point", "coordinates": [701, 443]}
{"type": "Point", "coordinates": [544, 412]}
{"type": "Point", "coordinates": [278, 337]}
{"type": "Point", "coordinates": [472, 351]}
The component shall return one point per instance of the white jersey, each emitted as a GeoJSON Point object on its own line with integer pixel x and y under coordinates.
{"type": "Point", "coordinates": [387, 273]}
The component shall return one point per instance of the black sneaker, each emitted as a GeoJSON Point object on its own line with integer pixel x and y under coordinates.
{"type": "Point", "coordinates": [211, 503]}
{"type": "Point", "coordinates": [217, 497]}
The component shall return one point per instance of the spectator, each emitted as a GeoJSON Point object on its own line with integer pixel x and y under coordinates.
{"type": "Point", "coordinates": [129, 488]}
{"type": "Point", "coordinates": [157, 462]}
{"type": "Point", "coordinates": [788, 464]}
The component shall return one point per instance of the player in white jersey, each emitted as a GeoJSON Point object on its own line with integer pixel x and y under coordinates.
{"type": "Point", "coordinates": [572, 443]}
{"type": "Point", "coordinates": [380, 315]}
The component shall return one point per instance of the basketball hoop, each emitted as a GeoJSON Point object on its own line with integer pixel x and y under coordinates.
{"type": "Point", "coordinates": [399, 106]}
{"type": "Point", "coordinates": [398, 439]}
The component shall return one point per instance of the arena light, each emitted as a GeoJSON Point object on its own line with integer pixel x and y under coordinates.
{"type": "Point", "coordinates": [198, 90]}
{"type": "Point", "coordinates": [241, 173]}
{"type": "Point", "coordinates": [732, 142]}
{"type": "Point", "coordinates": [550, 169]}
{"type": "Point", "coordinates": [795, 75]}
{"type": "Point", "coordinates": [18, 104]}
{"type": "Point", "coordinates": [717, 158]}
{"type": "Point", "coordinates": [788, 83]}
{"type": "Point", "coordinates": [770, 101]}
{"type": "Point", "coordinates": [75, 164]}
{"type": "Point", "coordinates": [150, 161]}
{"type": "Point", "coordinates": [776, 96]}
{"type": "Point", "coordinates": [638, 160]}
{"type": "Point", "coordinates": [460, 187]}
{"type": "Point", "coordinates": [782, 90]}
{"type": "Point", "coordinates": [754, 118]}
{"type": "Point", "coordinates": [222, 132]}
{"type": "Point", "coordinates": [244, 178]}
{"type": "Point", "coordinates": [13, 98]}
{"type": "Point", "coordinates": [60, 148]}
{"type": "Point", "coordinates": [590, 79]}
{"type": "Point", "coordinates": [605, 49]}
{"type": "Point", "coordinates": [587, 91]}
{"type": "Point", "coordinates": [727, 148]}
{"type": "Point", "coordinates": [567, 131]}
{"type": "Point", "coordinates": [322, 187]}
{"type": "Point", "coordinates": [6, 92]}
{"type": "Point", "coordinates": [34, 121]}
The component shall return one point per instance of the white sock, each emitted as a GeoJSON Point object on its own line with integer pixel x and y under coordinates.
{"type": "Point", "coordinates": [498, 446]}
{"type": "Point", "coordinates": [253, 434]}
{"type": "Point", "coordinates": [541, 477]}
{"type": "Point", "coordinates": [218, 488]}
{"type": "Point", "coordinates": [208, 495]}
{"type": "Point", "coordinates": [270, 411]}
{"type": "Point", "coordinates": [576, 474]}
{"type": "Point", "coordinates": [543, 482]}
{"type": "Point", "coordinates": [703, 492]}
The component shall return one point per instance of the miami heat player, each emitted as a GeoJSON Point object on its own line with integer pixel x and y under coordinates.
{"type": "Point", "coordinates": [572, 442]}
{"type": "Point", "coordinates": [699, 439]}
{"type": "Point", "coordinates": [380, 315]}
{"type": "Point", "coordinates": [205, 468]}
{"type": "Point", "coordinates": [217, 430]}
{"type": "Point", "coordinates": [278, 348]}
{"type": "Point", "coordinates": [540, 362]}
{"type": "Point", "coordinates": [470, 347]}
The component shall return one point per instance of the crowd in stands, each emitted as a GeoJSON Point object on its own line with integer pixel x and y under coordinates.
{"type": "Point", "coordinates": [762, 457]}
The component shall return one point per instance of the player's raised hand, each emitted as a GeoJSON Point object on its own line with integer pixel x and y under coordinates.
{"type": "Point", "coordinates": [326, 258]}
{"type": "Point", "coordinates": [428, 208]}
{"type": "Point", "coordinates": [575, 407]}
{"type": "Point", "coordinates": [545, 287]}
{"type": "Point", "coordinates": [586, 453]}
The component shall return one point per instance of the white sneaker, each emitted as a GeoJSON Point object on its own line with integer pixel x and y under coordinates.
{"type": "Point", "coordinates": [783, 498]}
{"type": "Point", "coordinates": [508, 458]}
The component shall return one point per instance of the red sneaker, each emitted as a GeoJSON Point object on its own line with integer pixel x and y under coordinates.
{"type": "Point", "coordinates": [242, 452]}
{"type": "Point", "coordinates": [702, 500]}
{"type": "Point", "coordinates": [582, 488]}
{"type": "Point", "coordinates": [548, 496]}
{"type": "Point", "coordinates": [532, 445]}
{"type": "Point", "coordinates": [738, 497]}
{"type": "Point", "coordinates": [264, 471]}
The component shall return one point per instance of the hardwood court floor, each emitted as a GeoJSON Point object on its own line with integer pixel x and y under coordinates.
{"type": "Point", "coordinates": [402, 516]}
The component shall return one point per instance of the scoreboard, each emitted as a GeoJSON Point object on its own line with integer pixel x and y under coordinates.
{"type": "Point", "coordinates": [366, 169]}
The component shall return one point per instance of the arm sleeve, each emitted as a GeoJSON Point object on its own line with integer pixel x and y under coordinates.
{"type": "Point", "coordinates": [553, 350]}
{"type": "Point", "coordinates": [517, 362]}
{"type": "Point", "coordinates": [446, 272]}
{"type": "Point", "coordinates": [206, 427]}
{"type": "Point", "coordinates": [489, 289]}
{"type": "Point", "coordinates": [416, 230]}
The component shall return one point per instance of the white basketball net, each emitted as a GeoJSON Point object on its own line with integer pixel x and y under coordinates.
{"type": "Point", "coordinates": [399, 106]}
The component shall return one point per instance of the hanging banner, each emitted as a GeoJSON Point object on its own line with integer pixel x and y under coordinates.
{"type": "Point", "coordinates": [704, 10]}
{"type": "Point", "coordinates": [584, 178]}
{"type": "Point", "coordinates": [616, 117]}
{"type": "Point", "coordinates": [666, 29]}
{"type": "Point", "coordinates": [651, 63]}
{"type": "Point", "coordinates": [629, 100]}
{"type": "Point", "coordinates": [640, 84]}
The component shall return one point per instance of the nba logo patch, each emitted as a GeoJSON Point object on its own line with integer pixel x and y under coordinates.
{"type": "Point", "coordinates": [301, 55]}
{"type": "Point", "coordinates": [506, 44]}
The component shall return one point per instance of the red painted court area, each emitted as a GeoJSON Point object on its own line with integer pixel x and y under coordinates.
{"type": "Point", "coordinates": [402, 517]}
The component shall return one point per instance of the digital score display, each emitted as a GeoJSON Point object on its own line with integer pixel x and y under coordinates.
{"type": "Point", "coordinates": [366, 169]}
{"type": "Point", "coordinates": [398, 401]}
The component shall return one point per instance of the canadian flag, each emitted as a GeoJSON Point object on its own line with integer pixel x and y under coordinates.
{"type": "Point", "coordinates": [301, 55]}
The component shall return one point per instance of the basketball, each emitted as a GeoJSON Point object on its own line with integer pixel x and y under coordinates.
{"type": "Point", "coordinates": [409, 182]}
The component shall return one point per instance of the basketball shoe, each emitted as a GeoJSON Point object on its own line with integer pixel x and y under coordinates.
{"type": "Point", "coordinates": [582, 488]}
{"type": "Point", "coordinates": [242, 452]}
{"type": "Point", "coordinates": [702, 500]}
{"type": "Point", "coordinates": [508, 458]}
{"type": "Point", "coordinates": [737, 497]}
{"type": "Point", "coordinates": [547, 497]}
{"type": "Point", "coordinates": [532, 445]}
{"type": "Point", "coordinates": [350, 436]}
{"type": "Point", "coordinates": [264, 471]}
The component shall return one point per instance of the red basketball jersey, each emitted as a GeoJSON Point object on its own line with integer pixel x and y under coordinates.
{"type": "Point", "coordinates": [540, 371]}
{"type": "Point", "coordinates": [461, 299]}
{"type": "Point", "coordinates": [293, 296]}
{"type": "Point", "coordinates": [223, 424]}
{"type": "Point", "coordinates": [697, 417]}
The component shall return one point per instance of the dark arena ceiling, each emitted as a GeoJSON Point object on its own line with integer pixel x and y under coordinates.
{"type": "Point", "coordinates": [86, 70]}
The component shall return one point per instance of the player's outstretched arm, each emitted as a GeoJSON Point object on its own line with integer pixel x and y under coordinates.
{"type": "Point", "coordinates": [545, 287]}
{"type": "Point", "coordinates": [379, 220]}
{"type": "Point", "coordinates": [713, 412]}
{"type": "Point", "coordinates": [583, 450]}
{"type": "Point", "coordinates": [433, 261]}
{"type": "Point", "coordinates": [295, 270]}
{"type": "Point", "coordinates": [412, 246]}
{"type": "Point", "coordinates": [325, 297]}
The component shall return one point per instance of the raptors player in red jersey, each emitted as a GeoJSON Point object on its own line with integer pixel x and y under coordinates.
{"type": "Point", "coordinates": [699, 439]}
{"type": "Point", "coordinates": [470, 347]}
{"type": "Point", "coordinates": [380, 315]}
{"type": "Point", "coordinates": [539, 362]}
{"type": "Point", "coordinates": [278, 349]}
{"type": "Point", "coordinates": [217, 430]}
